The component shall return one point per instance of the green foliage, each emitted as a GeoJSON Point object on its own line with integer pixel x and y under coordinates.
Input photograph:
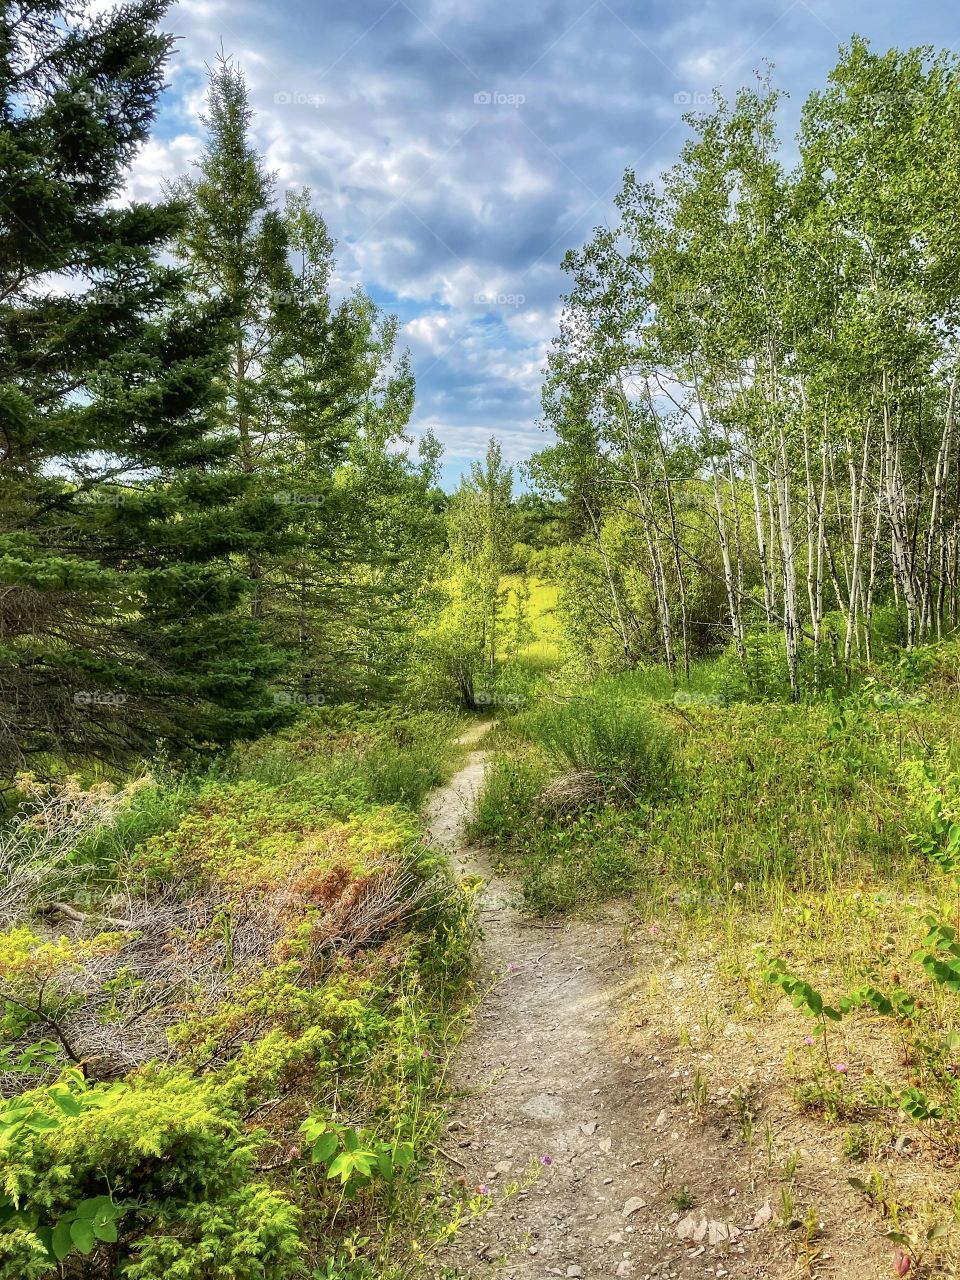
{"type": "Point", "coordinates": [752, 386]}
{"type": "Point", "coordinates": [384, 756]}
{"type": "Point", "coordinates": [804, 996]}
{"type": "Point", "coordinates": [352, 1157]}
{"type": "Point", "coordinates": [937, 787]}
{"type": "Point", "coordinates": [563, 863]}
{"type": "Point", "coordinates": [940, 954]}
{"type": "Point", "coordinates": [623, 744]}
{"type": "Point", "coordinates": [316, 398]}
{"type": "Point", "coordinates": [762, 796]}
{"type": "Point", "coordinates": [345, 1014]}
{"type": "Point", "coordinates": [120, 523]}
{"type": "Point", "coordinates": [471, 624]}
{"type": "Point", "coordinates": [161, 1161]}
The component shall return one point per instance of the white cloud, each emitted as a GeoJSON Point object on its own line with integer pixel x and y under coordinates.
{"type": "Point", "coordinates": [436, 199]}
{"type": "Point", "coordinates": [160, 162]}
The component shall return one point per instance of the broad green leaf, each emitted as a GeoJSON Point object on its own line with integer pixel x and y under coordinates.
{"type": "Point", "coordinates": [324, 1147]}
{"type": "Point", "coordinates": [82, 1235]}
{"type": "Point", "coordinates": [62, 1241]}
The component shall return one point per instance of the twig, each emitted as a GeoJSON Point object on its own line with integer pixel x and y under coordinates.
{"type": "Point", "coordinates": [447, 1156]}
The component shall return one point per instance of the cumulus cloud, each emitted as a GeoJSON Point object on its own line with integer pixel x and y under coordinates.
{"type": "Point", "coordinates": [457, 151]}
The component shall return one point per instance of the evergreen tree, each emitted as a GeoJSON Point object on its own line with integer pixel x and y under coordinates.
{"type": "Point", "coordinates": [318, 402]}
{"type": "Point", "coordinates": [119, 518]}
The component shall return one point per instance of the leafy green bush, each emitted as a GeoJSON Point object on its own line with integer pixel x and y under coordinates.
{"type": "Point", "coordinates": [148, 1179]}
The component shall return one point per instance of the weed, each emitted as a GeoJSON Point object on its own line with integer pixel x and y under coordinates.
{"type": "Point", "coordinates": [681, 1199]}
{"type": "Point", "coordinates": [619, 743]}
{"type": "Point", "coordinates": [699, 1093]}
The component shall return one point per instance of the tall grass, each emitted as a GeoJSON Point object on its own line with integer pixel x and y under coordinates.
{"type": "Point", "coordinates": [374, 757]}
{"type": "Point", "coordinates": [620, 743]}
{"type": "Point", "coordinates": [151, 809]}
{"type": "Point", "coordinates": [747, 802]}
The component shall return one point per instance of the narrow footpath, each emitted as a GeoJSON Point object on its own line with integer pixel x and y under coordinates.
{"type": "Point", "coordinates": [552, 1084]}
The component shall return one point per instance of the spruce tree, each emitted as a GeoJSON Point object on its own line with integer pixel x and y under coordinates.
{"type": "Point", "coordinates": [318, 400]}
{"type": "Point", "coordinates": [121, 520]}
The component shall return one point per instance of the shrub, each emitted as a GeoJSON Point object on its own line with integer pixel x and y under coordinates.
{"type": "Point", "coordinates": [285, 933]}
{"type": "Point", "coordinates": [155, 1175]}
{"type": "Point", "coordinates": [620, 743]}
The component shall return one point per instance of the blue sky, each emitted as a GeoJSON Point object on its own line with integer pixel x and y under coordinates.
{"type": "Point", "coordinates": [458, 149]}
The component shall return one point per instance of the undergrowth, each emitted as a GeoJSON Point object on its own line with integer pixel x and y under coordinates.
{"type": "Point", "coordinates": [224, 1042]}
{"type": "Point", "coordinates": [802, 862]}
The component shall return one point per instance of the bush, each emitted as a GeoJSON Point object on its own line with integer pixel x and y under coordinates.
{"type": "Point", "coordinates": [620, 743]}
{"type": "Point", "coordinates": [155, 1176]}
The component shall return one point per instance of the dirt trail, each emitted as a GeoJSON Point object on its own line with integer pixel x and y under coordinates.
{"type": "Point", "coordinates": [551, 1079]}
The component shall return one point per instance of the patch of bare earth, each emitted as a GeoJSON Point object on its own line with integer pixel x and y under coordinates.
{"type": "Point", "coordinates": [565, 1074]}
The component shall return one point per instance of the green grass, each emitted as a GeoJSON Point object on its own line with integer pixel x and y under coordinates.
{"type": "Point", "coordinates": [152, 809]}
{"type": "Point", "coordinates": [544, 650]}
{"type": "Point", "coordinates": [764, 796]}
{"type": "Point", "coordinates": [379, 757]}
{"type": "Point", "coordinates": [341, 1015]}
{"type": "Point", "coordinates": [624, 746]}
{"type": "Point", "coordinates": [823, 836]}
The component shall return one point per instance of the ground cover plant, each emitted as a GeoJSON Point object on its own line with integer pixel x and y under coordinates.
{"type": "Point", "coordinates": [796, 866]}
{"type": "Point", "coordinates": [223, 1040]}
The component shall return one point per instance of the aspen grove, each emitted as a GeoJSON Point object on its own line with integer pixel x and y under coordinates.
{"type": "Point", "coordinates": [754, 386]}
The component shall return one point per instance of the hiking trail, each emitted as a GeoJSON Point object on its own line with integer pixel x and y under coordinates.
{"type": "Point", "coordinates": [551, 1077]}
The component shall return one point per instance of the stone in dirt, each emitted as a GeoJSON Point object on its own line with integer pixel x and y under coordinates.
{"type": "Point", "coordinates": [712, 1230]}
{"type": "Point", "coordinates": [763, 1215]}
{"type": "Point", "coordinates": [634, 1204]}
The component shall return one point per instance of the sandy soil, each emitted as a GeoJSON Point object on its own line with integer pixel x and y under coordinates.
{"type": "Point", "coordinates": [563, 1075]}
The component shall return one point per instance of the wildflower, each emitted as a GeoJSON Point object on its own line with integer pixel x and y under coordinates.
{"type": "Point", "coordinates": [901, 1262]}
{"type": "Point", "coordinates": [808, 1040]}
{"type": "Point", "coordinates": [510, 966]}
{"type": "Point", "coordinates": [546, 1160]}
{"type": "Point", "coordinates": [841, 1067]}
{"type": "Point", "coordinates": [483, 1189]}
{"type": "Point", "coordinates": [654, 930]}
